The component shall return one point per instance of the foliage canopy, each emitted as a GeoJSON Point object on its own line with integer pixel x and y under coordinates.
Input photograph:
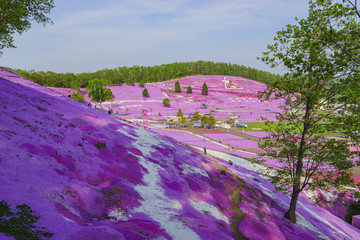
{"type": "Point", "coordinates": [166, 102]}
{"type": "Point", "coordinates": [204, 90]}
{"type": "Point", "coordinates": [321, 55]}
{"type": "Point", "coordinates": [179, 113]}
{"type": "Point", "coordinates": [98, 91]}
{"type": "Point", "coordinates": [16, 17]}
{"type": "Point", "coordinates": [177, 87]}
{"type": "Point", "coordinates": [22, 223]}
{"type": "Point", "coordinates": [145, 92]}
{"type": "Point", "coordinates": [78, 97]}
{"type": "Point", "coordinates": [189, 89]}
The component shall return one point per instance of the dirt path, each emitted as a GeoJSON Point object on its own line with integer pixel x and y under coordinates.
{"type": "Point", "coordinates": [238, 215]}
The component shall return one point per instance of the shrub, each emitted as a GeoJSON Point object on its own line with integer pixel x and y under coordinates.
{"type": "Point", "coordinates": [78, 97]}
{"type": "Point", "coordinates": [166, 102]}
{"type": "Point", "coordinates": [204, 120]}
{"type": "Point", "coordinates": [145, 92]}
{"type": "Point", "coordinates": [177, 87]}
{"type": "Point", "coordinates": [99, 145]}
{"type": "Point", "coordinates": [189, 89]}
{"type": "Point", "coordinates": [141, 84]}
{"type": "Point", "coordinates": [21, 224]}
{"type": "Point", "coordinates": [354, 209]}
{"type": "Point", "coordinates": [204, 90]}
{"type": "Point", "coordinates": [179, 113]}
{"type": "Point", "coordinates": [211, 121]}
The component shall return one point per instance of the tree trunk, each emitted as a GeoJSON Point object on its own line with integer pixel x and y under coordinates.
{"type": "Point", "coordinates": [290, 214]}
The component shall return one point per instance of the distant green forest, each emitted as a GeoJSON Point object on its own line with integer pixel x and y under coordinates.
{"type": "Point", "coordinates": [150, 74]}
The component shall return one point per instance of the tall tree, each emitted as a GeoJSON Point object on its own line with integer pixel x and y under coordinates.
{"type": "Point", "coordinates": [189, 89]}
{"type": "Point", "coordinates": [196, 117]}
{"type": "Point", "coordinates": [320, 54]}
{"type": "Point", "coordinates": [180, 113]}
{"type": "Point", "coordinates": [183, 120]}
{"type": "Point", "coordinates": [204, 119]}
{"type": "Point", "coordinates": [204, 90]}
{"type": "Point", "coordinates": [16, 17]}
{"type": "Point", "coordinates": [177, 87]}
{"type": "Point", "coordinates": [98, 91]}
{"type": "Point", "coordinates": [211, 121]}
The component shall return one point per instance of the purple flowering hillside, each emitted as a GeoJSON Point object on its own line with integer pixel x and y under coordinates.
{"type": "Point", "coordinates": [89, 175]}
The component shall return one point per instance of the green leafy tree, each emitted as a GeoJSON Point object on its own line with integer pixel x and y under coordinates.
{"type": "Point", "coordinates": [204, 90]}
{"type": "Point", "coordinates": [98, 91]}
{"type": "Point", "coordinates": [166, 102]}
{"type": "Point", "coordinates": [189, 89]}
{"type": "Point", "coordinates": [21, 224]}
{"type": "Point", "coordinates": [231, 121]}
{"type": "Point", "coordinates": [75, 85]}
{"type": "Point", "coordinates": [183, 120]}
{"type": "Point", "coordinates": [142, 83]}
{"type": "Point", "coordinates": [177, 87]}
{"type": "Point", "coordinates": [16, 17]}
{"type": "Point", "coordinates": [321, 56]}
{"type": "Point", "coordinates": [196, 117]}
{"type": "Point", "coordinates": [211, 121]}
{"type": "Point", "coordinates": [145, 92]}
{"type": "Point", "coordinates": [78, 97]}
{"type": "Point", "coordinates": [204, 120]}
{"type": "Point", "coordinates": [179, 113]}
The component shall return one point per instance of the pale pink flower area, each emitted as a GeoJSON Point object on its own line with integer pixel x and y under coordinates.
{"type": "Point", "coordinates": [257, 134]}
{"type": "Point", "coordinates": [222, 136]}
{"type": "Point", "coordinates": [90, 175]}
{"type": "Point", "coordinates": [228, 97]}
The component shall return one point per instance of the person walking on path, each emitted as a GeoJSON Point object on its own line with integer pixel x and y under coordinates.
{"type": "Point", "coordinates": [204, 150]}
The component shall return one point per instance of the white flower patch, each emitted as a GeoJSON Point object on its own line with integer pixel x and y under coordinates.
{"type": "Point", "coordinates": [157, 206]}
{"type": "Point", "coordinates": [209, 209]}
{"type": "Point", "coordinates": [191, 169]}
{"type": "Point", "coordinates": [118, 215]}
{"type": "Point", "coordinates": [305, 223]}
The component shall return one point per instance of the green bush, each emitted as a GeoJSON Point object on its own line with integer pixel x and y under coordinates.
{"type": "Point", "coordinates": [177, 87]}
{"type": "Point", "coordinates": [189, 89]}
{"type": "Point", "coordinates": [180, 113]}
{"type": "Point", "coordinates": [145, 92]}
{"type": "Point", "coordinates": [99, 145]}
{"type": "Point", "coordinates": [204, 90]}
{"type": "Point", "coordinates": [78, 97]}
{"type": "Point", "coordinates": [21, 224]}
{"type": "Point", "coordinates": [166, 102]}
{"type": "Point", "coordinates": [354, 209]}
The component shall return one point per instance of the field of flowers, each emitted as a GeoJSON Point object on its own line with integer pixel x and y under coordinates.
{"type": "Point", "coordinates": [92, 176]}
{"type": "Point", "coordinates": [228, 97]}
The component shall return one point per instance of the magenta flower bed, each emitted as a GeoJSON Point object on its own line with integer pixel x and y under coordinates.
{"type": "Point", "coordinates": [91, 176]}
{"type": "Point", "coordinates": [178, 135]}
{"type": "Point", "coordinates": [241, 143]}
{"type": "Point", "coordinates": [222, 136]}
{"type": "Point", "coordinates": [257, 134]}
{"type": "Point", "coordinates": [226, 98]}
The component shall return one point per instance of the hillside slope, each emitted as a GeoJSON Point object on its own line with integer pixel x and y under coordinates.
{"type": "Point", "coordinates": [228, 97]}
{"type": "Point", "coordinates": [91, 176]}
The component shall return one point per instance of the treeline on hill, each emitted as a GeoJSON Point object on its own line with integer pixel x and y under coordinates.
{"type": "Point", "coordinates": [150, 74]}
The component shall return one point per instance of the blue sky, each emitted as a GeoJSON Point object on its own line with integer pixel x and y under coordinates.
{"type": "Point", "coordinates": [89, 35]}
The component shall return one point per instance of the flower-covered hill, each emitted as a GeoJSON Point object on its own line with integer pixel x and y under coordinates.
{"type": "Point", "coordinates": [90, 176]}
{"type": "Point", "coordinates": [228, 96]}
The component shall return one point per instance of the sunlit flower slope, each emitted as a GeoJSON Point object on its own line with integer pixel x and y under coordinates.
{"type": "Point", "coordinates": [90, 176]}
